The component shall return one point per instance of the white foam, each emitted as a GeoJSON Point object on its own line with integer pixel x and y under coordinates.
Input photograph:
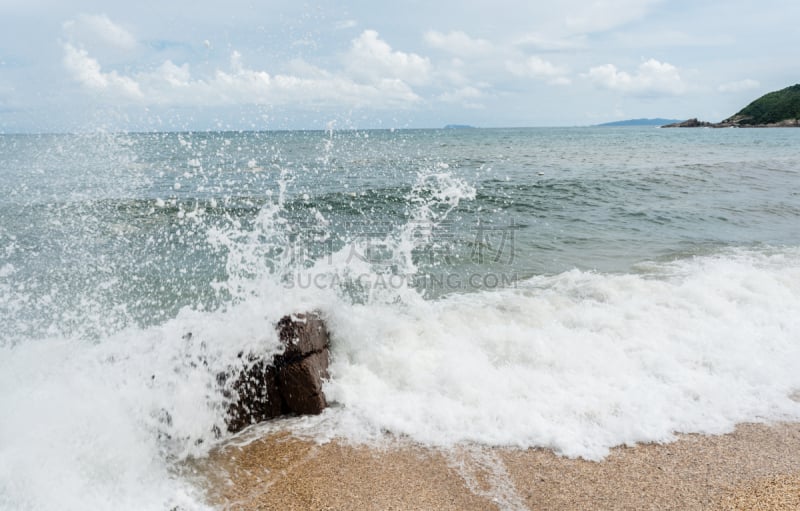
{"type": "Point", "coordinates": [485, 474]}
{"type": "Point", "coordinates": [578, 362]}
{"type": "Point", "coordinates": [98, 425]}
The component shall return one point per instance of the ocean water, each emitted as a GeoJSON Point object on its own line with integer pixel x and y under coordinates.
{"type": "Point", "coordinates": [574, 289]}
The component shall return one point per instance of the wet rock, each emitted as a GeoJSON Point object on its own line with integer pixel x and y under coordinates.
{"type": "Point", "coordinates": [288, 383]}
{"type": "Point", "coordinates": [689, 123]}
{"type": "Point", "coordinates": [302, 334]}
{"type": "Point", "coordinates": [737, 121]}
{"type": "Point", "coordinates": [300, 383]}
{"type": "Point", "coordinates": [255, 394]}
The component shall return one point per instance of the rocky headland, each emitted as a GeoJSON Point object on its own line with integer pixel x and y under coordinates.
{"type": "Point", "coordinates": [778, 109]}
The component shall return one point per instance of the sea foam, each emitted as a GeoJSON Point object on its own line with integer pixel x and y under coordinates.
{"type": "Point", "coordinates": [578, 362]}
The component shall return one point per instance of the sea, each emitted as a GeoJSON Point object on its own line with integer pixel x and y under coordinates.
{"type": "Point", "coordinates": [573, 289]}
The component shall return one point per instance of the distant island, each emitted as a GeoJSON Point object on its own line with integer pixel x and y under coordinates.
{"type": "Point", "coordinates": [459, 127]}
{"type": "Point", "coordinates": [658, 121]}
{"type": "Point", "coordinates": [639, 122]}
{"type": "Point", "coordinates": [779, 109]}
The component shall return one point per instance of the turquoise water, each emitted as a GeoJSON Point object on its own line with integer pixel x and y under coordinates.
{"type": "Point", "coordinates": [600, 286]}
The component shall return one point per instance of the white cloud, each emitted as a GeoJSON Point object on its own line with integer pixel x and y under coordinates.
{"type": "Point", "coordinates": [88, 72]}
{"type": "Point", "coordinates": [537, 67]}
{"type": "Point", "coordinates": [453, 72]}
{"type": "Point", "coordinates": [175, 76]}
{"type": "Point", "coordinates": [371, 59]}
{"type": "Point", "coordinates": [98, 28]}
{"type": "Point", "coordinates": [242, 85]}
{"type": "Point", "coordinates": [171, 84]}
{"type": "Point", "coordinates": [374, 75]}
{"type": "Point", "coordinates": [458, 43]}
{"type": "Point", "coordinates": [652, 77]}
{"type": "Point", "coordinates": [303, 69]}
{"type": "Point", "coordinates": [741, 85]}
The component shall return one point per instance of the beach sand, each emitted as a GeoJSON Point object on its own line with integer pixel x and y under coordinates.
{"type": "Point", "coordinates": [757, 467]}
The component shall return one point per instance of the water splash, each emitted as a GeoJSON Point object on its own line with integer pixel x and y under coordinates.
{"type": "Point", "coordinates": [103, 278]}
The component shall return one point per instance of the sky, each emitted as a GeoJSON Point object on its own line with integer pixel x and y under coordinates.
{"type": "Point", "coordinates": [246, 64]}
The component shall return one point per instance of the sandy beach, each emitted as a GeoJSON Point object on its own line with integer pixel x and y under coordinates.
{"type": "Point", "coordinates": [755, 467]}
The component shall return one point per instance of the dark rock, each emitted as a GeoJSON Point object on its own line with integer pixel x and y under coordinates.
{"type": "Point", "coordinates": [300, 383]}
{"type": "Point", "coordinates": [737, 121]}
{"type": "Point", "coordinates": [302, 334]}
{"type": "Point", "coordinates": [291, 382]}
{"type": "Point", "coordinates": [689, 123]}
{"type": "Point", "coordinates": [776, 109]}
{"type": "Point", "coordinates": [257, 396]}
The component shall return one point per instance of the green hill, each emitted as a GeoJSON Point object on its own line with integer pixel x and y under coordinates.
{"type": "Point", "coordinates": [774, 107]}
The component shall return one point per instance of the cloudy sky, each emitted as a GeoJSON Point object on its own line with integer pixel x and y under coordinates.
{"type": "Point", "coordinates": [236, 64]}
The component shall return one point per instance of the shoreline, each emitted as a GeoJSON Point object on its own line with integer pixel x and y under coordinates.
{"type": "Point", "coordinates": [755, 466]}
{"type": "Point", "coordinates": [728, 123]}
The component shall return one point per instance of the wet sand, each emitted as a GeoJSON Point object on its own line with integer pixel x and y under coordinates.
{"type": "Point", "coordinates": [757, 467]}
